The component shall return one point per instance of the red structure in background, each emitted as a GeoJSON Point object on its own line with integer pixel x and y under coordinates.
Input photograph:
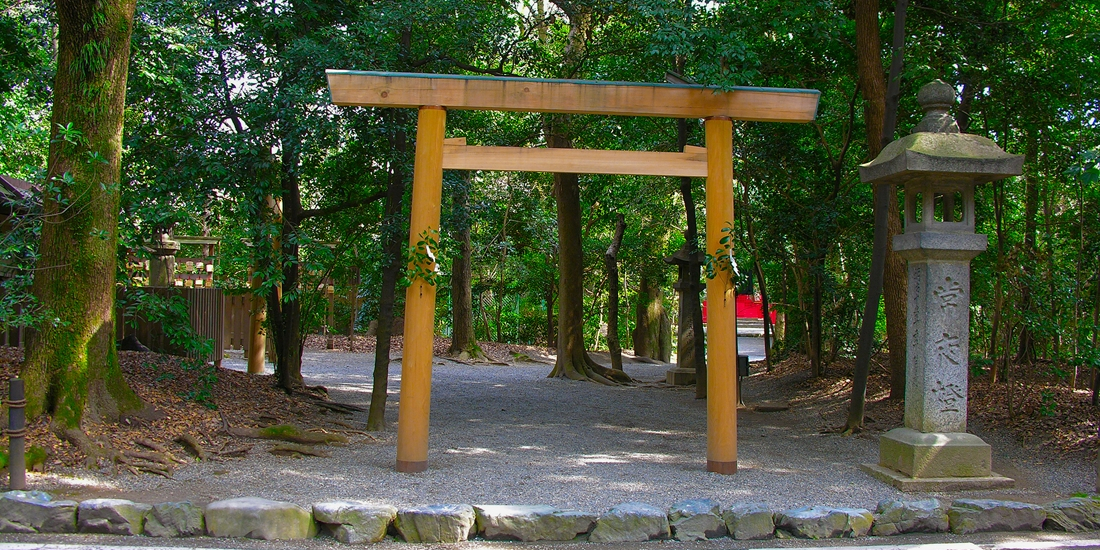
{"type": "Point", "coordinates": [747, 308]}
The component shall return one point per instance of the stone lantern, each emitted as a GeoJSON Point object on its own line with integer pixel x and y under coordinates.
{"type": "Point", "coordinates": [162, 267]}
{"type": "Point", "coordinates": [938, 167]}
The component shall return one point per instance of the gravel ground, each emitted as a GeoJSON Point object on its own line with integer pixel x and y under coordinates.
{"type": "Point", "coordinates": [509, 435]}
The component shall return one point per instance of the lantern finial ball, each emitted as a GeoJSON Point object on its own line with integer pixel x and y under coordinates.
{"type": "Point", "coordinates": [935, 98]}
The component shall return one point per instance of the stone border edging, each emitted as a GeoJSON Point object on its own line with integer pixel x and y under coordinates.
{"type": "Point", "coordinates": [354, 522]}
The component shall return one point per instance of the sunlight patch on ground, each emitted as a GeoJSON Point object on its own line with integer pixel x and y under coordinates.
{"type": "Point", "coordinates": [318, 475]}
{"type": "Point", "coordinates": [629, 486]}
{"type": "Point", "coordinates": [351, 388]}
{"type": "Point", "coordinates": [647, 431]}
{"type": "Point", "coordinates": [471, 451]}
{"type": "Point", "coordinates": [585, 460]}
{"type": "Point", "coordinates": [71, 481]}
{"type": "Point", "coordinates": [572, 479]}
{"type": "Point", "coordinates": [532, 448]}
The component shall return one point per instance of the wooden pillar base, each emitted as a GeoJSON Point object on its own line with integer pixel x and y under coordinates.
{"type": "Point", "coordinates": [412, 467]}
{"type": "Point", "coordinates": [724, 468]}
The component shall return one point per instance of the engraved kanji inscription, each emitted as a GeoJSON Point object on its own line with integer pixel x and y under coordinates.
{"type": "Point", "coordinates": [949, 293]}
{"type": "Point", "coordinates": [950, 396]}
{"type": "Point", "coordinates": [947, 349]}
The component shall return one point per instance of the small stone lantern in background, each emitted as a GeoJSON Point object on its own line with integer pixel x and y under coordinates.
{"type": "Point", "coordinates": [162, 267]}
{"type": "Point", "coordinates": [939, 168]}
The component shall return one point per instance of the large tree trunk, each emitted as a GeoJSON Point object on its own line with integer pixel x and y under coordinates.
{"type": "Point", "coordinates": [394, 262]}
{"type": "Point", "coordinates": [285, 307]}
{"type": "Point", "coordinates": [462, 303]}
{"type": "Point", "coordinates": [573, 361]}
{"type": "Point", "coordinates": [817, 367]}
{"type": "Point", "coordinates": [895, 286]}
{"type": "Point", "coordinates": [869, 66]}
{"type": "Point", "coordinates": [611, 264]}
{"type": "Point", "coordinates": [71, 366]}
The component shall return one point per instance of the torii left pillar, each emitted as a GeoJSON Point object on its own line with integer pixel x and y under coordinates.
{"type": "Point", "coordinates": [416, 363]}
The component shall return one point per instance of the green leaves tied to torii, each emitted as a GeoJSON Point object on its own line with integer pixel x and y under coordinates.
{"type": "Point", "coordinates": [722, 258]}
{"type": "Point", "coordinates": [423, 258]}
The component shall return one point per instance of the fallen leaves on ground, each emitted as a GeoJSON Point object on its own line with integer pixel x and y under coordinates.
{"type": "Point", "coordinates": [176, 395]}
{"type": "Point", "coordinates": [1045, 412]}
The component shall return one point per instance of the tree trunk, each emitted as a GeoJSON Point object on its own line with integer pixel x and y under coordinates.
{"type": "Point", "coordinates": [998, 287]}
{"type": "Point", "coordinates": [573, 361]}
{"type": "Point", "coordinates": [393, 263]}
{"type": "Point", "coordinates": [551, 337]}
{"type": "Point", "coordinates": [895, 283]}
{"type": "Point", "coordinates": [895, 271]}
{"type": "Point", "coordinates": [71, 368]}
{"type": "Point", "coordinates": [462, 304]}
{"type": "Point", "coordinates": [817, 368]}
{"type": "Point", "coordinates": [869, 66]}
{"type": "Point", "coordinates": [1025, 353]}
{"type": "Point", "coordinates": [611, 263]}
{"type": "Point", "coordinates": [691, 297]}
{"type": "Point", "coordinates": [285, 307]}
{"type": "Point", "coordinates": [640, 335]}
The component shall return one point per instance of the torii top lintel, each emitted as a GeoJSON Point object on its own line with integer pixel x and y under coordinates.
{"type": "Point", "coordinates": [384, 89]}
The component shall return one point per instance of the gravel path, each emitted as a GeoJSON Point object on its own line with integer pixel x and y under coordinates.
{"type": "Point", "coordinates": [509, 435]}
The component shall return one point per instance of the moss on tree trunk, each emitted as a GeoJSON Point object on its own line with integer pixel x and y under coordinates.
{"type": "Point", "coordinates": [71, 365]}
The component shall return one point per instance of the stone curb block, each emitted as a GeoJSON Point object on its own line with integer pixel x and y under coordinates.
{"type": "Point", "coordinates": [1074, 515]}
{"type": "Point", "coordinates": [981, 515]}
{"type": "Point", "coordinates": [436, 523]}
{"type": "Point", "coordinates": [175, 519]}
{"type": "Point", "coordinates": [354, 522]}
{"type": "Point", "coordinates": [749, 521]}
{"type": "Point", "coordinates": [896, 517]}
{"type": "Point", "coordinates": [631, 522]}
{"type": "Point", "coordinates": [697, 519]}
{"type": "Point", "coordinates": [532, 523]}
{"type": "Point", "coordinates": [36, 512]}
{"type": "Point", "coordinates": [259, 518]}
{"type": "Point", "coordinates": [824, 522]}
{"type": "Point", "coordinates": [111, 516]}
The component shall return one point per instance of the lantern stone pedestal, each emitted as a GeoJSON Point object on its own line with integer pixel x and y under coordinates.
{"type": "Point", "coordinates": [939, 168]}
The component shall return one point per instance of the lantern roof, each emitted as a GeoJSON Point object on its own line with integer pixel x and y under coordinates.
{"type": "Point", "coordinates": [936, 150]}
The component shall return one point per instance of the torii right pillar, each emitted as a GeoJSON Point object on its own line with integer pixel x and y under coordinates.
{"type": "Point", "coordinates": [939, 168]}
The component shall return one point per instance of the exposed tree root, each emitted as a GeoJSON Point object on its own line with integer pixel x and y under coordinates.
{"type": "Point", "coordinates": [192, 445]}
{"type": "Point", "coordinates": [159, 449]}
{"type": "Point", "coordinates": [92, 450]}
{"type": "Point", "coordinates": [293, 449]}
{"type": "Point", "coordinates": [583, 367]}
{"type": "Point", "coordinates": [285, 432]}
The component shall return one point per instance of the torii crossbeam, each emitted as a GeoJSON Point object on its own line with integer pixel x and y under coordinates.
{"type": "Point", "coordinates": [433, 94]}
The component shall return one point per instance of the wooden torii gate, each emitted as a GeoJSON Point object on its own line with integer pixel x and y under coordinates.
{"type": "Point", "coordinates": [434, 94]}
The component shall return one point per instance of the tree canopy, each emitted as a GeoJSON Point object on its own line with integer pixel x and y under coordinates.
{"type": "Point", "coordinates": [226, 105]}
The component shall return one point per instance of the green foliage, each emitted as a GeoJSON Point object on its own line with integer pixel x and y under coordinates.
{"type": "Point", "coordinates": [1048, 407]}
{"type": "Point", "coordinates": [33, 457]}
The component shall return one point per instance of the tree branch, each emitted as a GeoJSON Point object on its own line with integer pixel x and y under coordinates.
{"type": "Point", "coordinates": [314, 212]}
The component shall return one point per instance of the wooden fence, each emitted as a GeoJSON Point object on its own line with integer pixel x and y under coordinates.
{"type": "Point", "coordinates": [206, 312]}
